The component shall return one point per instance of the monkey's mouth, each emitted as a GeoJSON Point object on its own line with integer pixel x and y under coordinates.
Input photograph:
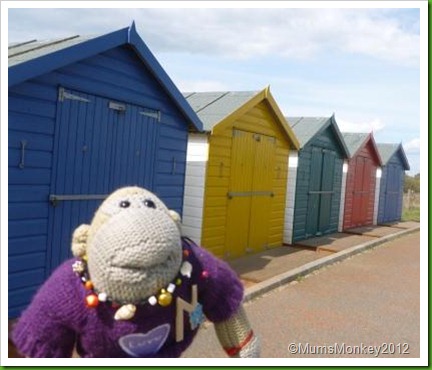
{"type": "Point", "coordinates": [139, 268]}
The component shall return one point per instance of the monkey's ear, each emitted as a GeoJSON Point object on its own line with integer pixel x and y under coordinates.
{"type": "Point", "coordinates": [79, 240]}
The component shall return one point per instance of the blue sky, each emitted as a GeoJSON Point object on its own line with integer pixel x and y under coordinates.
{"type": "Point", "coordinates": [361, 64]}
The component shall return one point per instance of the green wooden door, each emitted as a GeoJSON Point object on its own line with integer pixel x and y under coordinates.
{"type": "Point", "coordinates": [321, 190]}
{"type": "Point", "coordinates": [327, 182]}
{"type": "Point", "coordinates": [314, 192]}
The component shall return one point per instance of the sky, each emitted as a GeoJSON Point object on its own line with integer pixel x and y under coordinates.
{"type": "Point", "coordinates": [363, 65]}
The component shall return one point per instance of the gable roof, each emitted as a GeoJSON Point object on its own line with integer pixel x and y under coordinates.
{"type": "Point", "coordinates": [217, 108]}
{"type": "Point", "coordinates": [213, 107]}
{"type": "Point", "coordinates": [357, 140]}
{"type": "Point", "coordinates": [306, 128]}
{"type": "Point", "coordinates": [387, 151]}
{"type": "Point", "coordinates": [31, 59]}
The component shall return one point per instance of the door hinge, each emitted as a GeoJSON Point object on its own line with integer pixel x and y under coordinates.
{"type": "Point", "coordinates": [119, 107]}
{"type": "Point", "coordinates": [153, 114]}
{"type": "Point", "coordinates": [63, 94]}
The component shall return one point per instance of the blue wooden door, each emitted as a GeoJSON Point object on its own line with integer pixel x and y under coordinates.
{"type": "Point", "coordinates": [392, 194]}
{"type": "Point", "coordinates": [101, 145]}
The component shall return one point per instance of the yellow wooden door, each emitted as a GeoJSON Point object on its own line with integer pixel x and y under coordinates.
{"type": "Point", "coordinates": [262, 192]}
{"type": "Point", "coordinates": [237, 230]}
{"type": "Point", "coordinates": [250, 193]}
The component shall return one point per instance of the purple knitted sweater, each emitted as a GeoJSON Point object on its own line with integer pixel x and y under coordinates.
{"type": "Point", "coordinates": [58, 318]}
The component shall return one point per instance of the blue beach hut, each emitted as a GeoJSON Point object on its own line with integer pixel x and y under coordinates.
{"type": "Point", "coordinates": [86, 115]}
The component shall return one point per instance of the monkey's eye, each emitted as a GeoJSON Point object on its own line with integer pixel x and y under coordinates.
{"type": "Point", "coordinates": [149, 203]}
{"type": "Point", "coordinates": [124, 204]}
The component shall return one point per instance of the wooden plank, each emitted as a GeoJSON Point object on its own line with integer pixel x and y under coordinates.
{"type": "Point", "coordinates": [24, 245]}
{"type": "Point", "coordinates": [26, 262]}
{"type": "Point", "coordinates": [25, 228]}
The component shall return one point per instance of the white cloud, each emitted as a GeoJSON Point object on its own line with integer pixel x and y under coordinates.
{"type": "Point", "coordinates": [292, 33]}
{"type": "Point", "coordinates": [201, 85]}
{"type": "Point", "coordinates": [412, 146]}
{"type": "Point", "coordinates": [242, 33]}
{"type": "Point", "coordinates": [374, 125]}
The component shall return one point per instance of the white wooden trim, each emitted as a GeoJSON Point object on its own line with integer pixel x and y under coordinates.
{"type": "Point", "coordinates": [377, 194]}
{"type": "Point", "coordinates": [290, 197]}
{"type": "Point", "coordinates": [195, 180]}
{"type": "Point", "coordinates": [342, 199]}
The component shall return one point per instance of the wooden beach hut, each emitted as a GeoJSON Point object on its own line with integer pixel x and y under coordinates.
{"type": "Point", "coordinates": [316, 181]}
{"type": "Point", "coordinates": [236, 176]}
{"type": "Point", "coordinates": [360, 187]}
{"type": "Point", "coordinates": [395, 163]}
{"type": "Point", "coordinates": [86, 115]}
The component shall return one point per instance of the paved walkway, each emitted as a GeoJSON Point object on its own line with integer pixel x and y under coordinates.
{"type": "Point", "coordinates": [263, 266]}
{"type": "Point", "coordinates": [369, 300]}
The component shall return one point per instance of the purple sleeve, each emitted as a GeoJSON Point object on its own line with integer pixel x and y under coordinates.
{"type": "Point", "coordinates": [45, 328]}
{"type": "Point", "coordinates": [221, 291]}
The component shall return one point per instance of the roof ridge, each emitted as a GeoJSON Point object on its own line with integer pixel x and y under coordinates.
{"type": "Point", "coordinates": [18, 44]}
{"type": "Point", "coordinates": [213, 101]}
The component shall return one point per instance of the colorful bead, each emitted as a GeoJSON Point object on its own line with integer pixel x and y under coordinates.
{"type": "Point", "coordinates": [178, 281]}
{"type": "Point", "coordinates": [186, 253]}
{"type": "Point", "coordinates": [164, 298]}
{"type": "Point", "coordinates": [92, 300]}
{"type": "Point", "coordinates": [171, 288]}
{"type": "Point", "coordinates": [186, 269]}
{"type": "Point", "coordinates": [152, 300]}
{"type": "Point", "coordinates": [205, 274]}
{"type": "Point", "coordinates": [88, 285]}
{"type": "Point", "coordinates": [125, 312]}
{"type": "Point", "coordinates": [102, 297]}
{"type": "Point", "coordinates": [78, 267]}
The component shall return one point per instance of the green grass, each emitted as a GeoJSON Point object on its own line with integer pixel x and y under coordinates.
{"type": "Point", "coordinates": [411, 214]}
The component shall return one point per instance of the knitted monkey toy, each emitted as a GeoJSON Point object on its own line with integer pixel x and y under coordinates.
{"type": "Point", "coordinates": [135, 289]}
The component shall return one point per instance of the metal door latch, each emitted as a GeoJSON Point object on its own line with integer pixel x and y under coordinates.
{"type": "Point", "coordinates": [23, 146]}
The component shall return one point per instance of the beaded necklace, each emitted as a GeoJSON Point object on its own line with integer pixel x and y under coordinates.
{"type": "Point", "coordinates": [125, 310]}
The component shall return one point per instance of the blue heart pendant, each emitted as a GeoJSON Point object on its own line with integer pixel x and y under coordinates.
{"type": "Point", "coordinates": [142, 345]}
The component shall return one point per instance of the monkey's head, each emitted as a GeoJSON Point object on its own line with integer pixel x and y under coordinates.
{"type": "Point", "coordinates": [132, 246]}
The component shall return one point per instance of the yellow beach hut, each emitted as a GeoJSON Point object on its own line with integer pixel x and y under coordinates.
{"type": "Point", "coordinates": [236, 173]}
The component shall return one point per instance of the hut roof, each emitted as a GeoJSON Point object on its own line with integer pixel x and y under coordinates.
{"type": "Point", "coordinates": [33, 58]}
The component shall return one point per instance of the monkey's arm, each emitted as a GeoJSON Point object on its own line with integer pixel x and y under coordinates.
{"type": "Point", "coordinates": [237, 337]}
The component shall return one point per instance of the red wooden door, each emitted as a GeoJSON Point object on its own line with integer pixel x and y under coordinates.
{"type": "Point", "coordinates": [363, 192]}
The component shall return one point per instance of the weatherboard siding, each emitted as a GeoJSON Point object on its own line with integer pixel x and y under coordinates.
{"type": "Point", "coordinates": [196, 169]}
{"type": "Point", "coordinates": [377, 195]}
{"type": "Point", "coordinates": [290, 197]}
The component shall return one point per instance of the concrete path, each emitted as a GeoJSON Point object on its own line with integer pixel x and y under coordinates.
{"type": "Point", "coordinates": [263, 266]}
{"type": "Point", "coordinates": [372, 299]}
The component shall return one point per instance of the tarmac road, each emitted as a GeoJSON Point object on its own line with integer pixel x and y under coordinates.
{"type": "Point", "coordinates": [371, 299]}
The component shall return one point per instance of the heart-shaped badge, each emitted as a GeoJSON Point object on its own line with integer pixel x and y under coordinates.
{"type": "Point", "coordinates": [145, 344]}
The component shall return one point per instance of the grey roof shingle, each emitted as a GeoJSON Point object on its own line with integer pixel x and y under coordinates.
{"type": "Point", "coordinates": [387, 151]}
{"type": "Point", "coordinates": [354, 140]}
{"type": "Point", "coordinates": [213, 107]}
{"type": "Point", "coordinates": [25, 51]}
{"type": "Point", "coordinates": [305, 128]}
